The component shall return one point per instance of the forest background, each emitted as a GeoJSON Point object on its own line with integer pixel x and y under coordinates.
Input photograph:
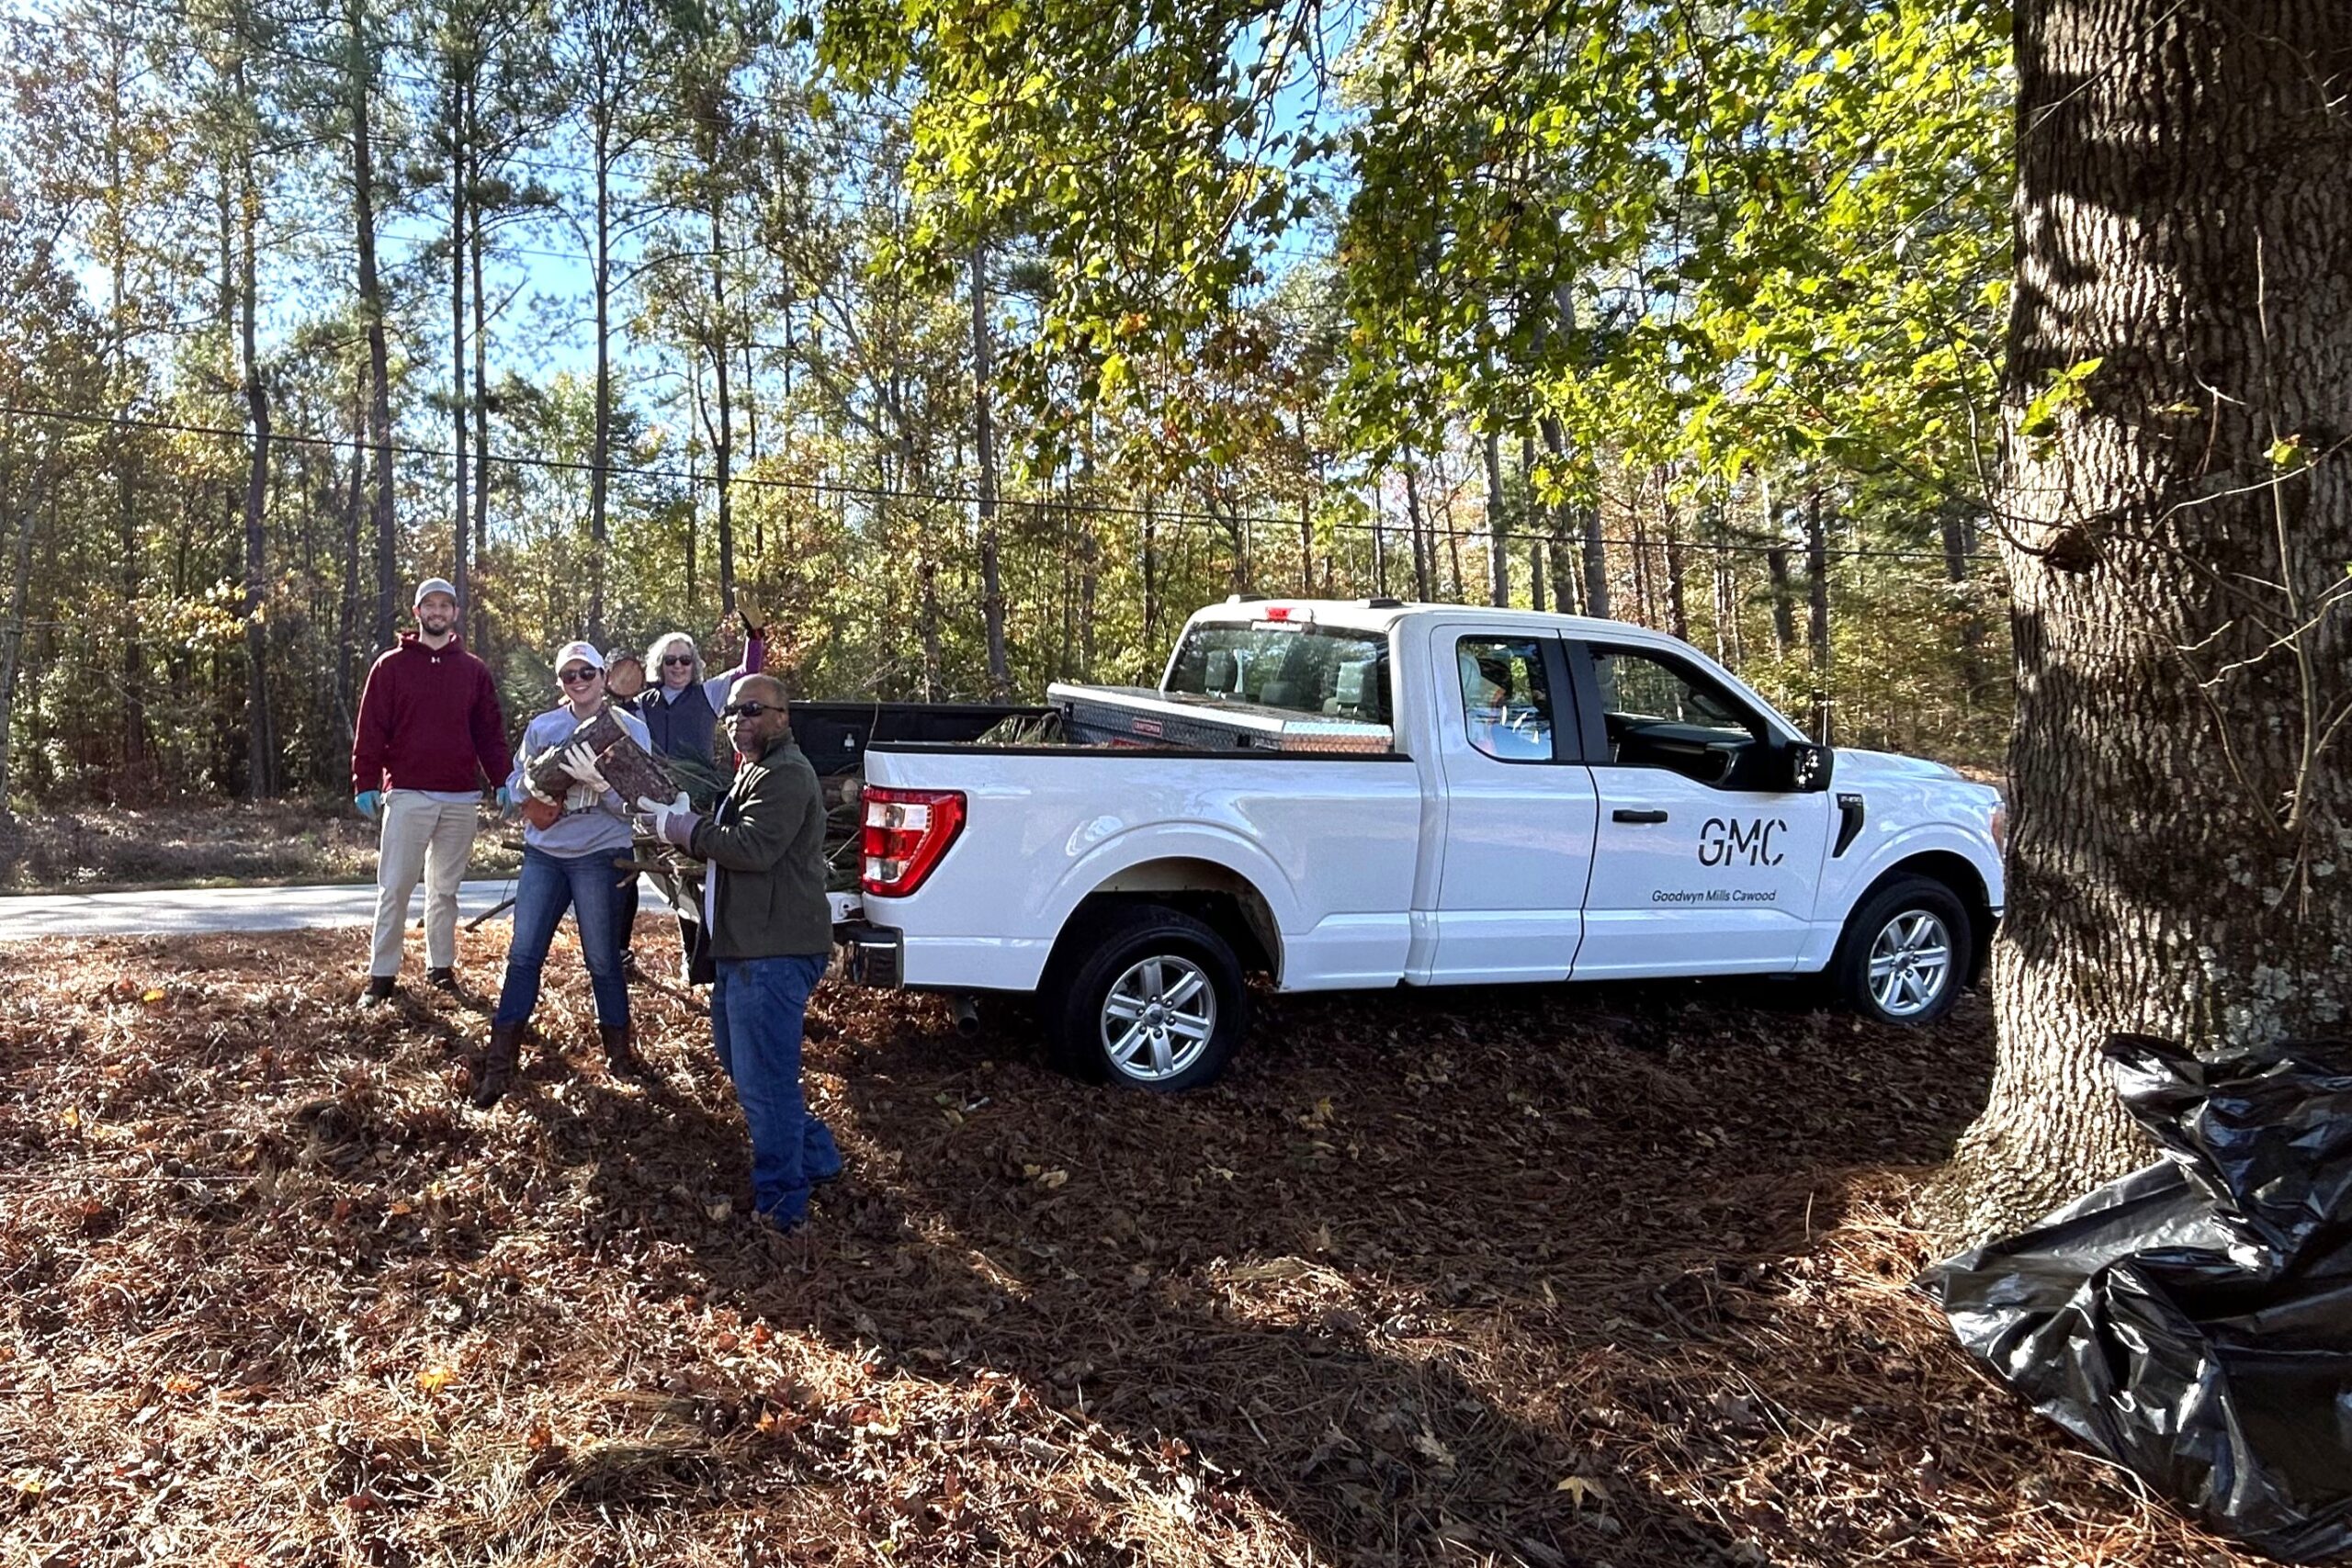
{"type": "Point", "coordinates": [965, 376]}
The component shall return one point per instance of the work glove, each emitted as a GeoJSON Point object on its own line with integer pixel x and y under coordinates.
{"type": "Point", "coordinates": [749, 631]}
{"type": "Point", "coordinates": [507, 800]}
{"type": "Point", "coordinates": [672, 821]}
{"type": "Point", "coordinates": [579, 759]}
{"type": "Point", "coordinates": [367, 801]}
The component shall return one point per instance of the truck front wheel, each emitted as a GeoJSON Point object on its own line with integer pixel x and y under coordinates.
{"type": "Point", "coordinates": [1906, 951]}
{"type": "Point", "coordinates": [1156, 1001]}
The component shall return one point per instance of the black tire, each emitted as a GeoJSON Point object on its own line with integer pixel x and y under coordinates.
{"type": "Point", "coordinates": [1077, 1001]}
{"type": "Point", "coordinates": [1906, 899]}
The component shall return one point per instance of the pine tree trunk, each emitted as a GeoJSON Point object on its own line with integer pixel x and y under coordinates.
{"type": "Point", "coordinates": [600, 449]}
{"type": "Point", "coordinates": [1596, 566]}
{"type": "Point", "coordinates": [1678, 593]}
{"type": "Point", "coordinates": [1150, 574]}
{"type": "Point", "coordinates": [371, 311]}
{"type": "Point", "coordinates": [1497, 541]}
{"type": "Point", "coordinates": [1785, 603]}
{"type": "Point", "coordinates": [15, 490]}
{"type": "Point", "coordinates": [723, 439]}
{"type": "Point", "coordinates": [1424, 566]}
{"type": "Point", "coordinates": [477, 610]}
{"type": "Point", "coordinates": [460, 500]}
{"type": "Point", "coordinates": [928, 573]}
{"type": "Point", "coordinates": [261, 738]}
{"type": "Point", "coordinates": [347, 600]}
{"type": "Point", "coordinates": [1816, 586]}
{"type": "Point", "coordinates": [2181, 798]}
{"type": "Point", "coordinates": [992, 569]}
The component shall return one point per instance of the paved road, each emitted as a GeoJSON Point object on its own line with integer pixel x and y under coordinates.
{"type": "Point", "coordinates": [195, 910]}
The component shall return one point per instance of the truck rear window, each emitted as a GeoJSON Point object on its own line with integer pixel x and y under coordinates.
{"type": "Point", "coordinates": [1295, 669]}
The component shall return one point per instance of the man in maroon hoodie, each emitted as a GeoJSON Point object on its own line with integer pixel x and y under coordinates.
{"type": "Point", "coordinates": [429, 734]}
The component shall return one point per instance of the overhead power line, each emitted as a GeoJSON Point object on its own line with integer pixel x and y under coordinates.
{"type": "Point", "coordinates": [1400, 530]}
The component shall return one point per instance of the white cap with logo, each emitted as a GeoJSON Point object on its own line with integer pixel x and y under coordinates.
{"type": "Point", "coordinates": [585, 652]}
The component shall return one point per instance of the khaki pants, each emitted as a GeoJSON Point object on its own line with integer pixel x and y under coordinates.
{"type": "Point", "coordinates": [425, 838]}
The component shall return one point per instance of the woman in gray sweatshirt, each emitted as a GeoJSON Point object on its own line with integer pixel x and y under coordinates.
{"type": "Point", "coordinates": [569, 845]}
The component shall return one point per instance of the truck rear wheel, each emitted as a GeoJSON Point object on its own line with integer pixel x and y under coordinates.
{"type": "Point", "coordinates": [1905, 952]}
{"type": "Point", "coordinates": [1155, 1003]}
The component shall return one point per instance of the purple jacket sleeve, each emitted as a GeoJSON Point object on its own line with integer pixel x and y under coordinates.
{"type": "Point", "coordinates": [755, 658]}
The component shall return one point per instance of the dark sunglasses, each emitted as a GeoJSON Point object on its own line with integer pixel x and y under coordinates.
{"type": "Point", "coordinates": [579, 677]}
{"type": "Point", "coordinates": [748, 710]}
{"type": "Point", "coordinates": [677, 659]}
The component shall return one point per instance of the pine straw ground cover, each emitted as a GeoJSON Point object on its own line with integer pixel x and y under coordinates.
{"type": "Point", "coordinates": [1541, 1277]}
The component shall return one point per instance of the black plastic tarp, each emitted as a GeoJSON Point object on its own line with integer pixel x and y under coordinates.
{"type": "Point", "coordinates": [2193, 1321]}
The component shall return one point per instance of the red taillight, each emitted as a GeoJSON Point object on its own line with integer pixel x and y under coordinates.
{"type": "Point", "coordinates": [905, 832]}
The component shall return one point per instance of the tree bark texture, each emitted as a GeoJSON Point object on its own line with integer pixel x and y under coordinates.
{"type": "Point", "coordinates": [261, 734]}
{"type": "Point", "coordinates": [600, 451]}
{"type": "Point", "coordinates": [1498, 539]}
{"type": "Point", "coordinates": [371, 310]}
{"type": "Point", "coordinates": [1784, 614]}
{"type": "Point", "coordinates": [722, 437]}
{"type": "Point", "coordinates": [460, 500]}
{"type": "Point", "coordinates": [992, 572]}
{"type": "Point", "coordinates": [1596, 567]}
{"type": "Point", "coordinates": [1424, 549]}
{"type": "Point", "coordinates": [1816, 628]}
{"type": "Point", "coordinates": [478, 608]}
{"type": "Point", "coordinates": [2181, 849]}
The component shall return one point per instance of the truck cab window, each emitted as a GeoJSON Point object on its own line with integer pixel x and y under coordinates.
{"type": "Point", "coordinates": [1297, 668]}
{"type": "Point", "coordinates": [1660, 712]}
{"type": "Point", "coordinates": [1506, 697]}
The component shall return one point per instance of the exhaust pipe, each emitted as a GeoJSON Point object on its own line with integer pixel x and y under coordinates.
{"type": "Point", "coordinates": [967, 1015]}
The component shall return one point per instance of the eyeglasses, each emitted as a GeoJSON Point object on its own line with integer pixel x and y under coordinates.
{"type": "Point", "coordinates": [677, 659]}
{"type": "Point", "coordinates": [748, 710]}
{"type": "Point", "coordinates": [580, 675]}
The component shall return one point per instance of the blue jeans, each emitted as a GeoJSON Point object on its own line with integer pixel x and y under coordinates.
{"type": "Point", "coordinates": [755, 1014]}
{"type": "Point", "coordinates": [589, 885]}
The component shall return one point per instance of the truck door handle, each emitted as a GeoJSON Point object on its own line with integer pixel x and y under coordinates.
{"type": "Point", "coordinates": [1622, 814]}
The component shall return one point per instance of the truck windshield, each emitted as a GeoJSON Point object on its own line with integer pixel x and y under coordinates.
{"type": "Point", "coordinates": [1297, 668]}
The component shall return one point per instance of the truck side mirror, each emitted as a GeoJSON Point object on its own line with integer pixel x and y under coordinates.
{"type": "Point", "coordinates": [1809, 766]}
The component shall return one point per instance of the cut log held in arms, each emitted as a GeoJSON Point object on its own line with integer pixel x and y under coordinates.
{"type": "Point", "coordinates": [626, 766]}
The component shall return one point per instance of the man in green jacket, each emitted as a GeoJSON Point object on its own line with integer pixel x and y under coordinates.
{"type": "Point", "coordinates": [771, 932]}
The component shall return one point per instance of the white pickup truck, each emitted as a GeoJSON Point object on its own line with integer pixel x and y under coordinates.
{"type": "Point", "coordinates": [1368, 793]}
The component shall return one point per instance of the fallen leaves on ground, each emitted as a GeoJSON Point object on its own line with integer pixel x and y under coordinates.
{"type": "Point", "coordinates": [1550, 1276]}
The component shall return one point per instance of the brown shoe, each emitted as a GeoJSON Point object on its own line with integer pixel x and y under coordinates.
{"type": "Point", "coordinates": [620, 1054]}
{"type": "Point", "coordinates": [497, 1064]}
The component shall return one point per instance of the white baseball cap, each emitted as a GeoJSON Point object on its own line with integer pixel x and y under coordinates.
{"type": "Point", "coordinates": [584, 651]}
{"type": "Point", "coordinates": [429, 586]}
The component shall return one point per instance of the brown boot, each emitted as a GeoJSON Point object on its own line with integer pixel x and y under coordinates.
{"type": "Point", "coordinates": [620, 1055]}
{"type": "Point", "coordinates": [498, 1065]}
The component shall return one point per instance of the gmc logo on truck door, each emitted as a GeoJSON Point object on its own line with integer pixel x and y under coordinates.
{"type": "Point", "coordinates": [1723, 842]}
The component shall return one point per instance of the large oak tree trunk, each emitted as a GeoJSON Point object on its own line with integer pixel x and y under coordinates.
{"type": "Point", "coordinates": [2181, 798]}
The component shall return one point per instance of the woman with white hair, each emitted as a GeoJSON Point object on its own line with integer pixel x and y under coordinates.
{"type": "Point", "coordinates": [682, 711]}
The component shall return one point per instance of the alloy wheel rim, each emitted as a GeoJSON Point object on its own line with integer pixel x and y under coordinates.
{"type": "Point", "coordinates": [1157, 1017]}
{"type": "Point", "coordinates": [1910, 964]}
